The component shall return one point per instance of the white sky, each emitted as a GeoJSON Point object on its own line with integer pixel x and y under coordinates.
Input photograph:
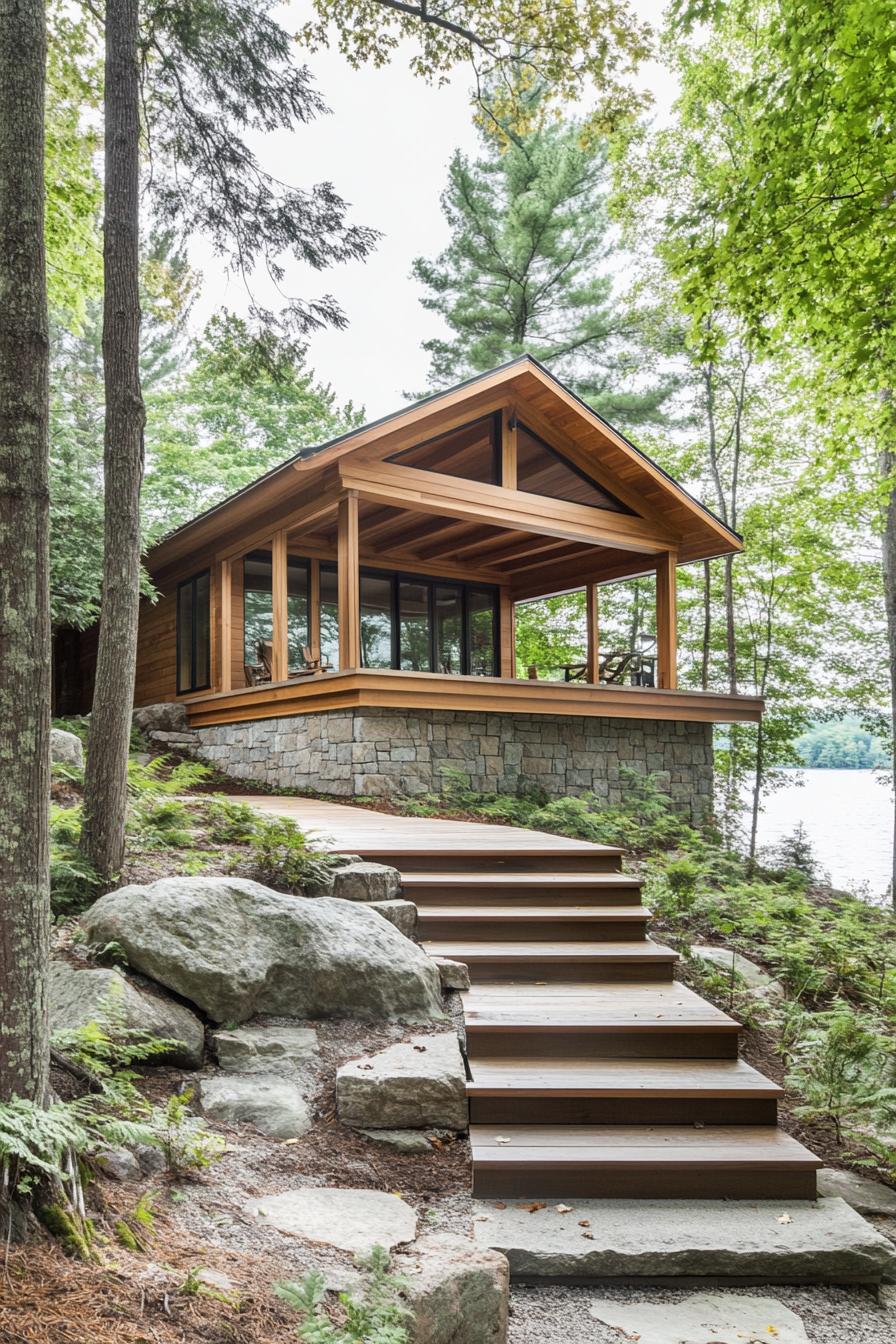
{"type": "Point", "coordinates": [386, 149]}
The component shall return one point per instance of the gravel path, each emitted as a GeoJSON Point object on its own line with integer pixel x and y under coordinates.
{"type": "Point", "coordinates": [555, 1315]}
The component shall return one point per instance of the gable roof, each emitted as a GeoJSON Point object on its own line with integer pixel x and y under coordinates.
{"type": "Point", "coordinates": [574, 426]}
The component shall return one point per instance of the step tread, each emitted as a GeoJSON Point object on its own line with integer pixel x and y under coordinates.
{"type": "Point", "coordinates": [529, 952]}
{"type": "Point", "coordinates": [596, 914]}
{"type": "Point", "coordinates": [544, 1077]}
{"type": "Point", "coordinates": [621, 1006]}
{"type": "Point", "coordinates": [525, 880]}
{"type": "Point", "coordinates": [634, 1146]}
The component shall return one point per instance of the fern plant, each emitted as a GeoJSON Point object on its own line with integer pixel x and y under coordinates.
{"type": "Point", "coordinates": [380, 1317]}
{"type": "Point", "coordinates": [284, 856]}
{"type": "Point", "coordinates": [231, 823]}
{"type": "Point", "coordinates": [158, 818]}
{"type": "Point", "coordinates": [845, 1069]}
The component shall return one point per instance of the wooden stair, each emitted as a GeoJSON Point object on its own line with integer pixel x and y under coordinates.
{"type": "Point", "coordinates": [594, 1073]}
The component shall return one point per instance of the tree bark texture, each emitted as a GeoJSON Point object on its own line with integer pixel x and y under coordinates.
{"type": "Point", "coordinates": [888, 471]}
{"type": "Point", "coordinates": [105, 795]}
{"type": "Point", "coordinates": [24, 559]}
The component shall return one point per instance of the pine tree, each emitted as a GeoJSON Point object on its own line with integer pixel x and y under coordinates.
{"type": "Point", "coordinates": [529, 270]}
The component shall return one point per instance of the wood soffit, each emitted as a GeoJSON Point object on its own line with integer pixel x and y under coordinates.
{"type": "Point", "coordinates": [429, 516]}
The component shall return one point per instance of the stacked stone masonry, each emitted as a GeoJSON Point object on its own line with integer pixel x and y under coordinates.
{"type": "Point", "coordinates": [381, 753]}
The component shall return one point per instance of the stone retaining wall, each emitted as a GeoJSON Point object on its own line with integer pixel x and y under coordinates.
{"type": "Point", "coordinates": [380, 753]}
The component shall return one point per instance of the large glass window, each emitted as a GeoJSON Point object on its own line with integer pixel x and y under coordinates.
{"type": "Point", "coordinates": [470, 452]}
{"type": "Point", "coordinates": [415, 626]}
{"type": "Point", "coordinates": [448, 609]}
{"type": "Point", "coordinates": [376, 620]}
{"type": "Point", "coordinates": [329, 616]}
{"type": "Point", "coordinates": [541, 470]}
{"type": "Point", "coordinates": [193, 635]}
{"type": "Point", "coordinates": [258, 607]}
{"type": "Point", "coordinates": [483, 621]}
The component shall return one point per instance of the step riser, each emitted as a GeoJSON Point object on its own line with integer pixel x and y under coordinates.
{"type": "Point", "coordinates": [539, 972]}
{"type": "Point", "coordinates": [510, 863]}
{"type": "Point", "coordinates": [643, 1183]}
{"type": "Point", "coordinates": [622, 1111]}
{"type": "Point", "coordinates": [577, 1042]}
{"type": "Point", "coordinates": [469, 898]}
{"type": "Point", "coordinates": [531, 930]}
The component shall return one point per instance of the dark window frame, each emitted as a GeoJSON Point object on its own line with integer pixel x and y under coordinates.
{"type": "Point", "coordinates": [433, 581]}
{"type": "Point", "coordinates": [195, 685]}
{"type": "Point", "coordinates": [292, 561]}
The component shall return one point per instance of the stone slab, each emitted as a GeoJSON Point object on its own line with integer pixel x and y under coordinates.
{"type": "Point", "coordinates": [705, 1318]}
{"type": "Point", "coordinates": [860, 1192]}
{"type": "Point", "coordinates": [415, 1083]}
{"type": "Point", "coordinates": [821, 1241]}
{"type": "Point", "coordinates": [353, 1220]}
{"type": "Point", "coordinates": [753, 976]}
{"type": "Point", "coordinates": [257, 1049]}
{"type": "Point", "coordinates": [270, 1103]}
{"type": "Point", "coordinates": [403, 914]}
{"type": "Point", "coordinates": [453, 974]}
{"type": "Point", "coordinates": [402, 1140]}
{"type": "Point", "coordinates": [457, 1291]}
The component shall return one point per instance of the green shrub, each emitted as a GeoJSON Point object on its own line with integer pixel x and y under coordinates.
{"type": "Point", "coordinates": [283, 855]}
{"type": "Point", "coordinates": [844, 1067]}
{"type": "Point", "coordinates": [379, 1318]}
{"type": "Point", "coordinates": [184, 1138]}
{"type": "Point", "coordinates": [231, 823]}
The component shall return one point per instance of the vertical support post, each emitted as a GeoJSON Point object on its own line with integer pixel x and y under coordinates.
{"type": "Point", "coordinates": [314, 609]}
{"type": "Point", "coordinates": [225, 637]}
{"type": "Point", "coordinates": [592, 615]}
{"type": "Point", "coordinates": [349, 582]}
{"type": "Point", "coordinates": [505, 632]}
{"type": "Point", "coordinates": [508, 448]}
{"type": "Point", "coordinates": [667, 620]}
{"type": "Point", "coordinates": [280, 656]}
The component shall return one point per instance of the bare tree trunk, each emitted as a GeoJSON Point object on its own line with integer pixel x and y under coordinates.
{"type": "Point", "coordinates": [24, 560]}
{"type": "Point", "coordinates": [707, 625]}
{"type": "Point", "coordinates": [730, 633]}
{"type": "Point", "coordinates": [888, 468]}
{"type": "Point", "coordinates": [758, 780]}
{"type": "Point", "coordinates": [105, 792]}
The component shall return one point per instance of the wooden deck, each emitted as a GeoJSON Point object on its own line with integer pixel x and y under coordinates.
{"type": "Point", "coordinates": [594, 1073]}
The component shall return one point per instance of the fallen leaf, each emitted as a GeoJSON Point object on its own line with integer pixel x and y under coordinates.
{"type": "Point", "coordinates": [481, 1218]}
{"type": "Point", "coordinates": [502, 1138]}
{"type": "Point", "coordinates": [563, 1208]}
{"type": "Point", "coordinates": [699, 1124]}
{"type": "Point", "coordinates": [420, 1048]}
{"type": "Point", "coordinates": [501, 1205]}
{"type": "Point", "coordinates": [365, 1066]}
{"type": "Point", "coordinates": [530, 1208]}
{"type": "Point", "coordinates": [436, 1143]}
{"type": "Point", "coordinates": [589, 1236]}
{"type": "Point", "coordinates": [287, 1142]}
{"type": "Point", "coordinates": [584, 1222]}
{"type": "Point", "coordinates": [785, 1218]}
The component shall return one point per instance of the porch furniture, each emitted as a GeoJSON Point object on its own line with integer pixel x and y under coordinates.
{"type": "Point", "coordinates": [312, 664]}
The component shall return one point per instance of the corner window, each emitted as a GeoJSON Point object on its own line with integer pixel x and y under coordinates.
{"type": "Point", "coordinates": [193, 635]}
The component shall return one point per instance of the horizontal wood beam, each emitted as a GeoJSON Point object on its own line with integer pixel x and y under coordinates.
{"type": "Point", "coordinates": [492, 505]}
{"type": "Point", "coordinates": [569, 575]}
{"type": "Point", "coordinates": [303, 516]}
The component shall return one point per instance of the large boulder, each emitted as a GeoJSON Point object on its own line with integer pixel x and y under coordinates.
{"type": "Point", "coordinates": [66, 748]}
{"type": "Point", "coordinates": [97, 994]}
{"type": "Point", "coordinates": [753, 976]}
{"type": "Point", "coordinates": [420, 1082]}
{"type": "Point", "coordinates": [258, 1049]}
{"type": "Point", "coordinates": [458, 1292]}
{"type": "Point", "coordinates": [236, 949]}
{"type": "Point", "coordinates": [169, 717]}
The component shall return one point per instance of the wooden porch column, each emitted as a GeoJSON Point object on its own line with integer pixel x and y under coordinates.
{"type": "Point", "coordinates": [314, 609]}
{"type": "Point", "coordinates": [592, 613]}
{"type": "Point", "coordinates": [280, 656]}
{"type": "Point", "coordinates": [225, 634]}
{"type": "Point", "coordinates": [349, 583]}
{"type": "Point", "coordinates": [667, 621]}
{"type": "Point", "coordinates": [508, 448]}
{"type": "Point", "coordinates": [507, 666]}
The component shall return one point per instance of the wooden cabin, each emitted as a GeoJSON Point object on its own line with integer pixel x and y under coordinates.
{"type": "Point", "coordinates": [346, 622]}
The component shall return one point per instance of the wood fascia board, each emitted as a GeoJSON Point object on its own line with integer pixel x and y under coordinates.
{"type": "Point", "coordinates": [731, 544]}
{"type": "Point", "coordinates": [392, 689]}
{"type": "Point", "coordinates": [495, 506]}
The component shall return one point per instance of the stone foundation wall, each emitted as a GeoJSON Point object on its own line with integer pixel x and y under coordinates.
{"type": "Point", "coordinates": [381, 753]}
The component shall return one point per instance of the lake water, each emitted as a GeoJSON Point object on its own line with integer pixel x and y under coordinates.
{"type": "Point", "coordinates": [848, 817]}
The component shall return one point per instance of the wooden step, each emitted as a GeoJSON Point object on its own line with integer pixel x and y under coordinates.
{"type": "Point", "coordinates": [531, 962]}
{"type": "Point", "coordinates": [533, 888]}
{"type": "Point", "coordinates": [575, 1019]}
{"type": "Point", "coordinates": [523, 851]}
{"type": "Point", "coordinates": [553, 923]}
{"type": "Point", "coordinates": [586, 1091]}
{"type": "Point", "coordinates": [641, 1161]}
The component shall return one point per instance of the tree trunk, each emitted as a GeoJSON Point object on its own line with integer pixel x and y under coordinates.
{"type": "Point", "coordinates": [888, 468]}
{"type": "Point", "coordinates": [758, 780]}
{"type": "Point", "coordinates": [730, 632]}
{"type": "Point", "coordinates": [105, 792]}
{"type": "Point", "coordinates": [707, 625]}
{"type": "Point", "coordinates": [24, 559]}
